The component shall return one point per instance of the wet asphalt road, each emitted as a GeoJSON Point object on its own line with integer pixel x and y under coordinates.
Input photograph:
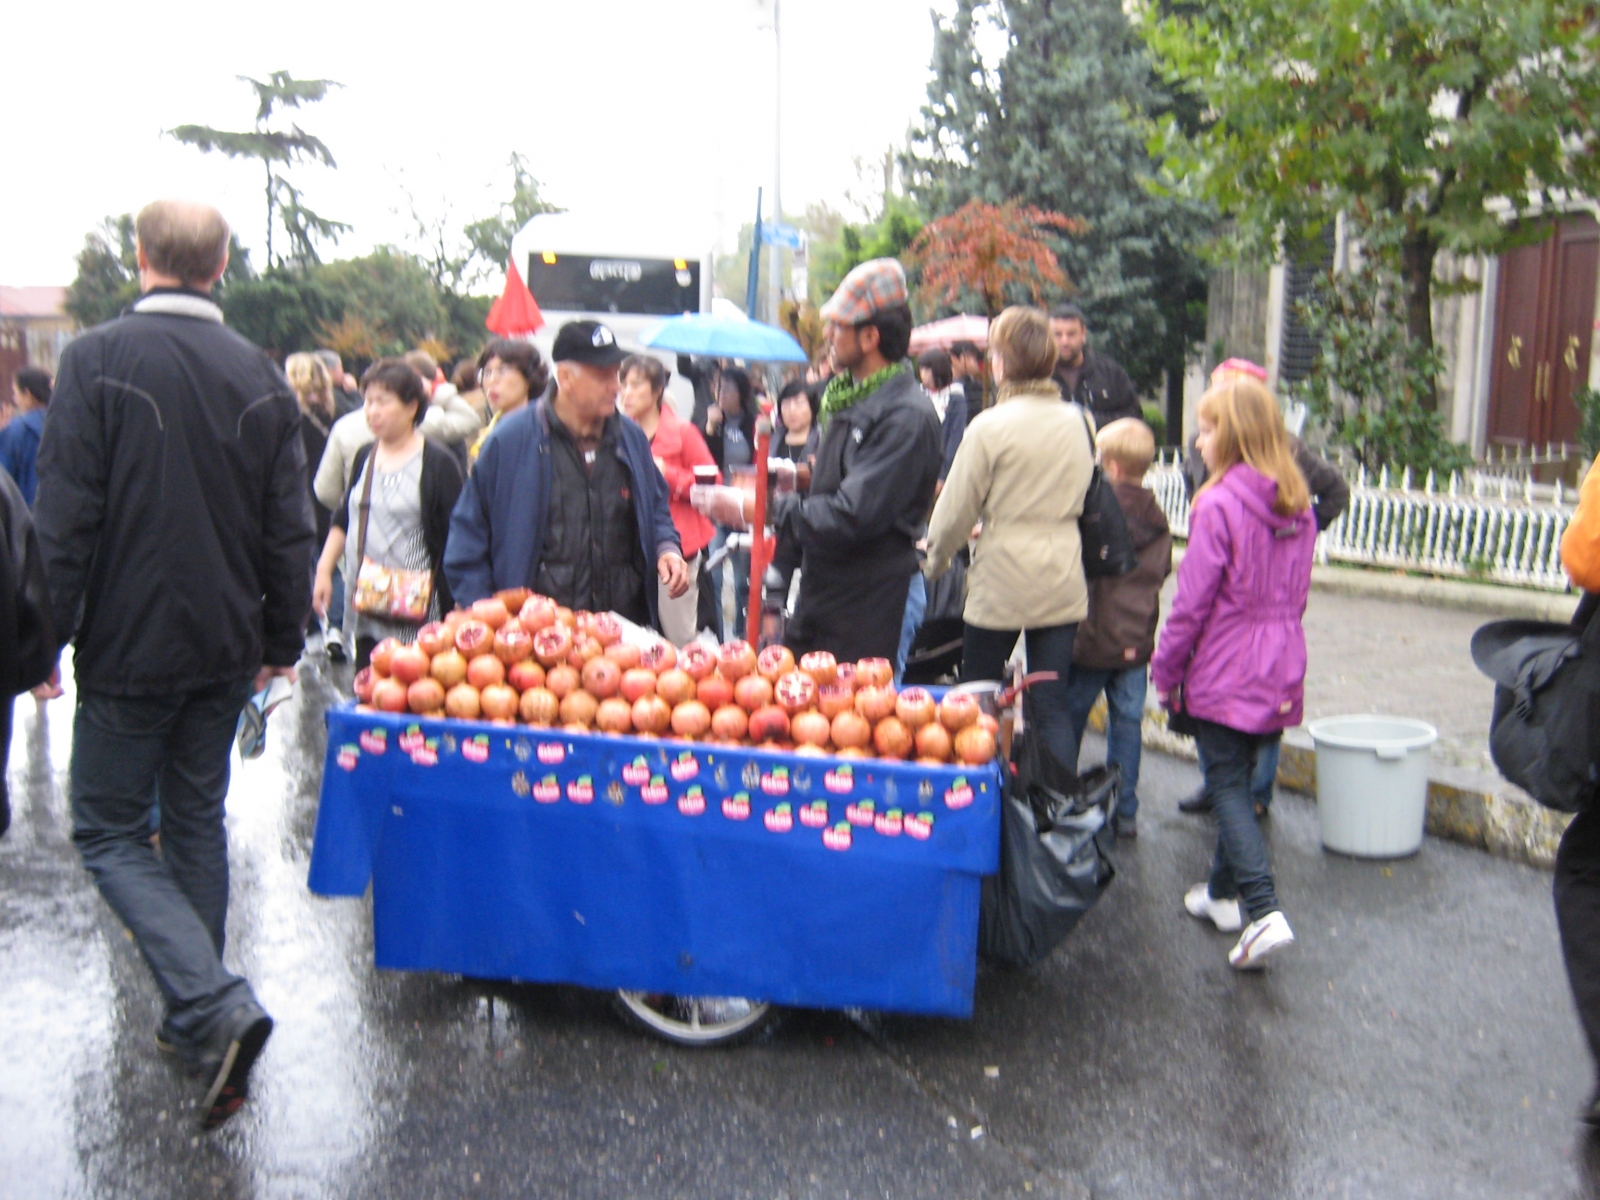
{"type": "Point", "coordinates": [1418, 1042]}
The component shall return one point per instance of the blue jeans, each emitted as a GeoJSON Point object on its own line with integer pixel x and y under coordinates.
{"type": "Point", "coordinates": [1263, 775]}
{"type": "Point", "coordinates": [739, 561]}
{"type": "Point", "coordinates": [983, 656]}
{"type": "Point", "coordinates": [1240, 869]}
{"type": "Point", "coordinates": [916, 606]}
{"type": "Point", "coordinates": [128, 752]}
{"type": "Point", "coordinates": [1124, 722]}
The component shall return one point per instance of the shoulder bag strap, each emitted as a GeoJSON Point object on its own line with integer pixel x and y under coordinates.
{"type": "Point", "coordinates": [366, 507]}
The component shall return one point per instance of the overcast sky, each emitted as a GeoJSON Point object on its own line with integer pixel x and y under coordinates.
{"type": "Point", "coordinates": [663, 104]}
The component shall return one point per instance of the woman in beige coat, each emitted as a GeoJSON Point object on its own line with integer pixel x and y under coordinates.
{"type": "Point", "coordinates": [1022, 471]}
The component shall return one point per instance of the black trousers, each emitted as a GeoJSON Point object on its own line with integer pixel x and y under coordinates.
{"type": "Point", "coordinates": [1577, 896]}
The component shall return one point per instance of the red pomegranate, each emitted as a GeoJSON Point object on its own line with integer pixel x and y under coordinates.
{"type": "Point", "coordinates": [879, 671]}
{"type": "Point", "coordinates": [484, 670]}
{"type": "Point", "coordinates": [552, 644]}
{"type": "Point", "coordinates": [821, 666]}
{"type": "Point", "coordinates": [834, 698]}
{"type": "Point", "coordinates": [697, 660]}
{"type": "Point", "coordinates": [933, 741]}
{"type": "Point", "coordinates": [751, 692]}
{"type": "Point", "coordinates": [512, 643]}
{"type": "Point", "coordinates": [636, 682]}
{"type": "Point", "coordinates": [585, 648]}
{"type": "Point", "coordinates": [473, 638]}
{"type": "Point", "coordinates": [563, 680]}
{"type": "Point", "coordinates": [539, 706]}
{"type": "Point", "coordinates": [425, 695]}
{"type": "Point", "coordinates": [850, 752]}
{"type": "Point", "coordinates": [735, 660]}
{"type": "Point", "coordinates": [811, 728]}
{"type": "Point", "coordinates": [851, 731]}
{"type": "Point", "coordinates": [605, 627]}
{"type": "Point", "coordinates": [624, 654]}
{"type": "Point", "coordinates": [875, 701]}
{"type": "Point", "coordinates": [652, 715]}
{"type": "Point", "coordinates": [499, 702]}
{"type": "Point", "coordinates": [381, 654]}
{"type": "Point", "coordinates": [915, 708]}
{"type": "Point", "coordinates": [730, 723]}
{"type": "Point", "coordinates": [449, 668]}
{"type": "Point", "coordinates": [891, 739]}
{"type": "Point", "coordinates": [658, 656]}
{"type": "Point", "coordinates": [601, 677]}
{"type": "Point", "coordinates": [389, 695]}
{"type": "Point", "coordinates": [491, 612]}
{"type": "Point", "coordinates": [567, 617]}
{"type": "Point", "coordinates": [435, 637]}
{"type": "Point", "coordinates": [452, 621]}
{"type": "Point", "coordinates": [690, 719]}
{"type": "Point", "coordinates": [674, 686]}
{"type": "Point", "coordinates": [845, 675]}
{"type": "Point", "coordinates": [578, 708]}
{"type": "Point", "coordinates": [768, 723]}
{"type": "Point", "coordinates": [975, 745]}
{"type": "Point", "coordinates": [525, 674]}
{"type": "Point", "coordinates": [775, 662]}
{"type": "Point", "coordinates": [363, 684]}
{"type": "Point", "coordinates": [615, 715]}
{"type": "Point", "coordinates": [462, 702]}
{"type": "Point", "coordinates": [985, 721]}
{"type": "Point", "coordinates": [713, 691]}
{"type": "Point", "coordinates": [537, 612]}
{"type": "Point", "coordinates": [408, 664]}
{"type": "Point", "coordinates": [795, 691]}
{"type": "Point", "coordinates": [958, 710]}
{"type": "Point", "coordinates": [513, 598]}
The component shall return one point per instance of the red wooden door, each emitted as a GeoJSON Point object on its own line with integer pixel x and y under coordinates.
{"type": "Point", "coordinates": [1572, 324]}
{"type": "Point", "coordinates": [1513, 411]}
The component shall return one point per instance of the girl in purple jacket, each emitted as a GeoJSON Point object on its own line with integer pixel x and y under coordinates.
{"type": "Point", "coordinates": [1233, 654]}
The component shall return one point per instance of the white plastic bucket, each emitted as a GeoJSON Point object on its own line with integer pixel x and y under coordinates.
{"type": "Point", "coordinates": [1372, 783]}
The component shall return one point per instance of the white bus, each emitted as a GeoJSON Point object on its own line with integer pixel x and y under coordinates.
{"type": "Point", "coordinates": [616, 270]}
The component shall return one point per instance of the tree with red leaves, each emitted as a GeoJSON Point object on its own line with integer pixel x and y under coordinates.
{"type": "Point", "coordinates": [990, 250]}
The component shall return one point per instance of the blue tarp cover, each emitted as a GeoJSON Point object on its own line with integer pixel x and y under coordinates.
{"type": "Point", "coordinates": [516, 853]}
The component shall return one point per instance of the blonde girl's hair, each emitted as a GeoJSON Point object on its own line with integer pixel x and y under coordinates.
{"type": "Point", "coordinates": [1021, 337]}
{"type": "Point", "coordinates": [1248, 427]}
{"type": "Point", "coordinates": [310, 381]}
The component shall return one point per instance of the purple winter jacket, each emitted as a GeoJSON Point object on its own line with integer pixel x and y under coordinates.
{"type": "Point", "coordinates": [1233, 639]}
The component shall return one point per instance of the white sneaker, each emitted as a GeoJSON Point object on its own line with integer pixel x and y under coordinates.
{"type": "Point", "coordinates": [1224, 914]}
{"type": "Point", "coordinates": [1261, 939]}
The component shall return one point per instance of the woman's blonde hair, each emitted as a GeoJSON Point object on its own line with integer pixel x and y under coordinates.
{"type": "Point", "coordinates": [310, 381]}
{"type": "Point", "coordinates": [1248, 427]}
{"type": "Point", "coordinates": [1021, 337]}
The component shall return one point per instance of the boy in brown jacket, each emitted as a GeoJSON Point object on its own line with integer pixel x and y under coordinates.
{"type": "Point", "coordinates": [1114, 642]}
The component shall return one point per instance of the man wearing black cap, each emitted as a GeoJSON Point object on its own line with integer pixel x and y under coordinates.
{"type": "Point", "coordinates": [566, 499]}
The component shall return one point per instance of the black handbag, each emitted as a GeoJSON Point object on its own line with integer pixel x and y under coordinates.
{"type": "Point", "coordinates": [1107, 545]}
{"type": "Point", "coordinates": [1178, 718]}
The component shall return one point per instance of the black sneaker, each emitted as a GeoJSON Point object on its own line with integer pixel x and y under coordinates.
{"type": "Point", "coordinates": [1197, 803]}
{"type": "Point", "coordinates": [230, 1075]}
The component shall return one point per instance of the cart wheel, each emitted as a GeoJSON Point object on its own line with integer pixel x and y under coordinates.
{"type": "Point", "coordinates": [695, 1020]}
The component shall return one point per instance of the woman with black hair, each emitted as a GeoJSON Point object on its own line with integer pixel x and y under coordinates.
{"type": "Point", "coordinates": [19, 440]}
{"type": "Point", "coordinates": [512, 374]}
{"type": "Point", "coordinates": [797, 408]}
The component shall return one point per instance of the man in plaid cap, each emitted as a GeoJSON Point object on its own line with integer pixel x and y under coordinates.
{"type": "Point", "coordinates": [872, 485]}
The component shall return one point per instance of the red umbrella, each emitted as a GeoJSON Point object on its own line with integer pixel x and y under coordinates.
{"type": "Point", "coordinates": [516, 313]}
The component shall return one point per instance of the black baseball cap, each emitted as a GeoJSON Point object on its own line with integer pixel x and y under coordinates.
{"type": "Point", "coordinates": [587, 342]}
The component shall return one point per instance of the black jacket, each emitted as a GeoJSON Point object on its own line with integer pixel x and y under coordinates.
{"type": "Point", "coordinates": [700, 378]}
{"type": "Point", "coordinates": [27, 638]}
{"type": "Point", "coordinates": [172, 505]}
{"type": "Point", "coordinates": [441, 482]}
{"type": "Point", "coordinates": [1330, 493]}
{"type": "Point", "coordinates": [1103, 389]}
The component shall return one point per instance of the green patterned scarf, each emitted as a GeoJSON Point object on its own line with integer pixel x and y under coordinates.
{"type": "Point", "coordinates": [843, 390]}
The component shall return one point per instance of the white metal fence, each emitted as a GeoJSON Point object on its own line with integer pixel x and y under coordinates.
{"type": "Point", "coordinates": [1497, 531]}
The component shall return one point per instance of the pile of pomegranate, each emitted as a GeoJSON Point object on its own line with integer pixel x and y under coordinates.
{"type": "Point", "coordinates": [519, 656]}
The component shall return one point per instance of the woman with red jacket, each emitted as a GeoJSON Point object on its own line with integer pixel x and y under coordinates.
{"type": "Point", "coordinates": [678, 449]}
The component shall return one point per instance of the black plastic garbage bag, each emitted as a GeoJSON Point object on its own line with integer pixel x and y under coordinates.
{"type": "Point", "coordinates": [1054, 834]}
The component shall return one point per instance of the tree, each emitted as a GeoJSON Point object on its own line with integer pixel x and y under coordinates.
{"type": "Point", "coordinates": [277, 149]}
{"type": "Point", "coordinates": [1441, 120]}
{"type": "Point", "coordinates": [490, 237]}
{"type": "Point", "coordinates": [996, 252]}
{"type": "Point", "coordinates": [108, 273]}
{"type": "Point", "coordinates": [1055, 122]}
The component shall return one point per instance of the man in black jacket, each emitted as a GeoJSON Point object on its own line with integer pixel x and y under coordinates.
{"type": "Point", "coordinates": [178, 543]}
{"type": "Point", "coordinates": [1095, 381]}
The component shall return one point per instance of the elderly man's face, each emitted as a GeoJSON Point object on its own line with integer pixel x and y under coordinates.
{"type": "Point", "coordinates": [1070, 337]}
{"type": "Point", "coordinates": [591, 390]}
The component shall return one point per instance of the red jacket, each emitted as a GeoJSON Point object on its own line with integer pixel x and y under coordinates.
{"type": "Point", "coordinates": [679, 448]}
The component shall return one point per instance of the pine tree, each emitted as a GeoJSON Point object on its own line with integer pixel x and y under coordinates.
{"type": "Point", "coordinates": [1056, 123]}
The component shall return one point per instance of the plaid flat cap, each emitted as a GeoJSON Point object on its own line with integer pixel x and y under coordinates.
{"type": "Point", "coordinates": [869, 289]}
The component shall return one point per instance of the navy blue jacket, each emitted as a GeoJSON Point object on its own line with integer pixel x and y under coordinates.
{"type": "Point", "coordinates": [19, 451]}
{"type": "Point", "coordinates": [497, 529]}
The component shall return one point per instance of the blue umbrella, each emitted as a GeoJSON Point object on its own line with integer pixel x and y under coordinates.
{"type": "Point", "coordinates": [724, 337]}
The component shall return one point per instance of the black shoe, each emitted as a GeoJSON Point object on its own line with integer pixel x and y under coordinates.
{"type": "Point", "coordinates": [1197, 803]}
{"type": "Point", "coordinates": [230, 1075]}
{"type": "Point", "coordinates": [336, 651]}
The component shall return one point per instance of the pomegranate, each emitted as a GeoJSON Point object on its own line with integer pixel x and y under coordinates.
{"type": "Point", "coordinates": [675, 686]}
{"type": "Point", "coordinates": [537, 612]}
{"type": "Point", "coordinates": [697, 660]}
{"type": "Point", "coordinates": [751, 692]}
{"type": "Point", "coordinates": [915, 708]}
{"type": "Point", "coordinates": [525, 674]}
{"type": "Point", "coordinates": [730, 723]}
{"type": "Point", "coordinates": [562, 680]}
{"type": "Point", "coordinates": [552, 644]}
{"type": "Point", "coordinates": [958, 710]}
{"type": "Point", "coordinates": [473, 638]}
{"type": "Point", "coordinates": [512, 643]}
{"type": "Point", "coordinates": [651, 714]}
{"type": "Point", "coordinates": [820, 665]}
{"type": "Point", "coordinates": [624, 654]}
{"type": "Point", "coordinates": [462, 702]}
{"type": "Point", "coordinates": [713, 691]}
{"type": "Point", "coordinates": [499, 702]}
{"type": "Point", "coordinates": [449, 668]}
{"type": "Point", "coordinates": [658, 656]}
{"type": "Point", "coordinates": [775, 662]}
{"type": "Point", "coordinates": [875, 701]}
{"type": "Point", "coordinates": [834, 698]}
{"type": "Point", "coordinates": [637, 682]}
{"type": "Point", "coordinates": [691, 719]}
{"type": "Point", "coordinates": [878, 671]}
{"type": "Point", "coordinates": [485, 670]}
{"type": "Point", "coordinates": [452, 622]}
{"type": "Point", "coordinates": [850, 752]}
{"type": "Point", "coordinates": [735, 660]}
{"type": "Point", "coordinates": [795, 690]}
{"type": "Point", "coordinates": [810, 749]}
{"type": "Point", "coordinates": [425, 695]}
{"type": "Point", "coordinates": [615, 715]}
{"type": "Point", "coordinates": [389, 695]}
{"type": "Point", "coordinates": [408, 664]}
{"type": "Point", "coordinates": [435, 637]}
{"type": "Point", "coordinates": [539, 706]}
{"type": "Point", "coordinates": [578, 708]}
{"type": "Point", "coordinates": [850, 731]}
{"type": "Point", "coordinates": [985, 721]}
{"type": "Point", "coordinates": [601, 677]}
{"type": "Point", "coordinates": [845, 675]}
{"type": "Point", "coordinates": [768, 722]}
{"type": "Point", "coordinates": [933, 742]}
{"type": "Point", "coordinates": [381, 654]}
{"type": "Point", "coordinates": [565, 616]}
{"type": "Point", "coordinates": [491, 612]}
{"type": "Point", "coordinates": [974, 745]}
{"type": "Point", "coordinates": [891, 738]}
{"type": "Point", "coordinates": [513, 598]}
{"type": "Point", "coordinates": [584, 649]}
{"type": "Point", "coordinates": [363, 684]}
{"type": "Point", "coordinates": [811, 728]}
{"type": "Point", "coordinates": [606, 628]}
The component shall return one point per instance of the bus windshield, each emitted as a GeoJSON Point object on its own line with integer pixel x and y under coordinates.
{"type": "Point", "coordinates": [614, 284]}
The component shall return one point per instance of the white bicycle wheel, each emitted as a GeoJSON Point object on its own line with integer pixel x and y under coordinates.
{"type": "Point", "coordinates": [695, 1020]}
